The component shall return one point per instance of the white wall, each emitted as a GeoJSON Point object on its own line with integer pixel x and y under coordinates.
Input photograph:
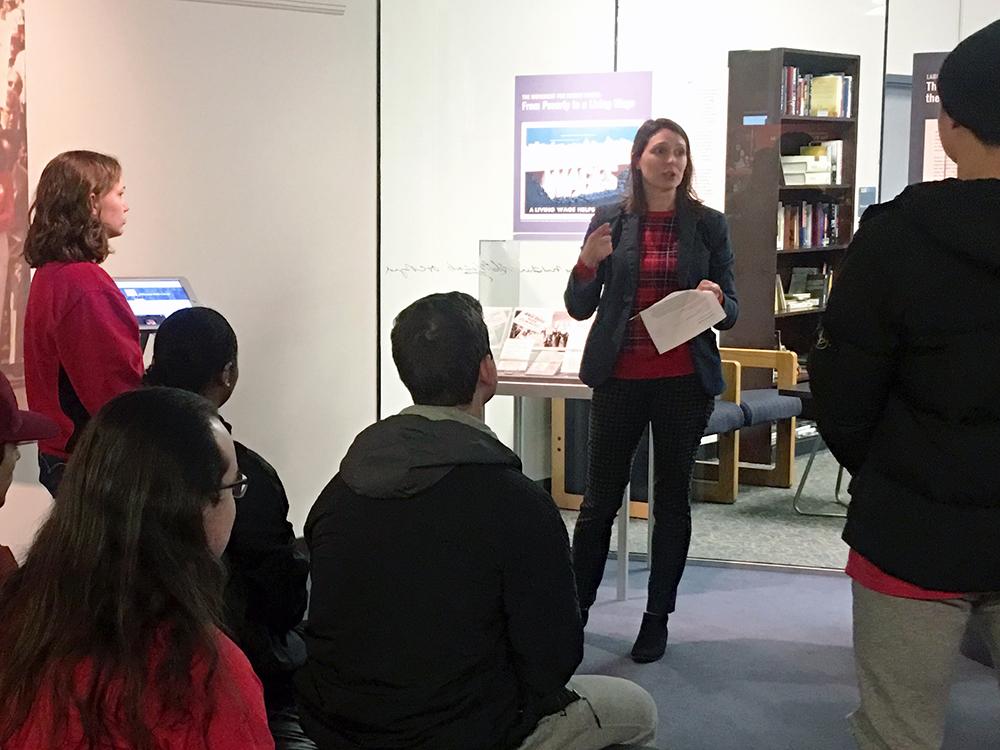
{"type": "Point", "coordinates": [248, 143]}
{"type": "Point", "coordinates": [920, 26]}
{"type": "Point", "coordinates": [447, 131]}
{"type": "Point", "coordinates": [976, 14]}
{"type": "Point", "coordinates": [447, 159]}
{"type": "Point", "coordinates": [932, 26]}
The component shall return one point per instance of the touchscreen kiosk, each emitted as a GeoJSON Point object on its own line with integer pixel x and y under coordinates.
{"type": "Point", "coordinates": [153, 299]}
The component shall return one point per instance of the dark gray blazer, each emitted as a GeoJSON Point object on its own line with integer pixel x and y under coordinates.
{"type": "Point", "coordinates": [703, 253]}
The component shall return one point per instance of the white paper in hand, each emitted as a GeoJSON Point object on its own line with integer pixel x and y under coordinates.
{"type": "Point", "coordinates": [681, 316]}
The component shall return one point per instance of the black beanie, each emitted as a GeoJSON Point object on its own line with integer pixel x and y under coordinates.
{"type": "Point", "coordinates": [969, 84]}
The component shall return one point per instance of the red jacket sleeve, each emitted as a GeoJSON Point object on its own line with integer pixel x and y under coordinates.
{"type": "Point", "coordinates": [239, 719]}
{"type": "Point", "coordinates": [98, 347]}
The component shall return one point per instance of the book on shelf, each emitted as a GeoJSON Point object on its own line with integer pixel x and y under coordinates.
{"type": "Point", "coordinates": [807, 178]}
{"type": "Point", "coordinates": [797, 284]}
{"type": "Point", "coordinates": [805, 163]}
{"type": "Point", "coordinates": [809, 283]}
{"type": "Point", "coordinates": [816, 164]}
{"type": "Point", "coordinates": [807, 225]}
{"type": "Point", "coordinates": [800, 305]}
{"type": "Point", "coordinates": [808, 289]}
{"type": "Point", "coordinates": [833, 151]}
{"type": "Point", "coordinates": [826, 97]}
{"type": "Point", "coordinates": [818, 286]}
{"type": "Point", "coordinates": [808, 95]}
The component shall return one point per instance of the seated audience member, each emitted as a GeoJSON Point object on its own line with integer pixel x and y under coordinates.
{"type": "Point", "coordinates": [16, 426]}
{"type": "Point", "coordinates": [904, 374]}
{"type": "Point", "coordinates": [110, 631]}
{"type": "Point", "coordinates": [443, 612]}
{"type": "Point", "coordinates": [265, 597]}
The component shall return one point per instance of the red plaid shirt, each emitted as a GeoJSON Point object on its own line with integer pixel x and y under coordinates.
{"type": "Point", "coordinates": [638, 359]}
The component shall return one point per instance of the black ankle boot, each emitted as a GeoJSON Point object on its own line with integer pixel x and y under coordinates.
{"type": "Point", "coordinates": [652, 640]}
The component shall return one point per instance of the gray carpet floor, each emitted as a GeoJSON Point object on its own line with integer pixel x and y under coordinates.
{"type": "Point", "coordinates": [761, 660]}
{"type": "Point", "coordinates": [761, 526]}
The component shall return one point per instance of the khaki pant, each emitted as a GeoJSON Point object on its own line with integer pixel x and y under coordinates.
{"type": "Point", "coordinates": [905, 651]}
{"type": "Point", "coordinates": [611, 711]}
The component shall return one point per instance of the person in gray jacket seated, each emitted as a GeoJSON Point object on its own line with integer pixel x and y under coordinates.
{"type": "Point", "coordinates": [443, 611]}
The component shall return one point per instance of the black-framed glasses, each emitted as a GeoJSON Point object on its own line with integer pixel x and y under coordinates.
{"type": "Point", "coordinates": [239, 487]}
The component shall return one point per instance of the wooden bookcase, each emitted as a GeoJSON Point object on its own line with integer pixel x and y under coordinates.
{"type": "Point", "coordinates": [758, 132]}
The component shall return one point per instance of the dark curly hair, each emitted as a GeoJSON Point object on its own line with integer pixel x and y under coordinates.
{"type": "Point", "coordinates": [63, 226]}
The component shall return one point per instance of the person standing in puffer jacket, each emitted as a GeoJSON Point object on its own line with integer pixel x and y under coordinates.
{"type": "Point", "coordinates": [905, 377]}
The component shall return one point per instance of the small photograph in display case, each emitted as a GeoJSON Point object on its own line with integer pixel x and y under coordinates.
{"type": "Point", "coordinates": [543, 342]}
{"type": "Point", "coordinates": [497, 323]}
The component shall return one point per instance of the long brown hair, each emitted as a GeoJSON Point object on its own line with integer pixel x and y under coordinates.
{"type": "Point", "coordinates": [63, 226]}
{"type": "Point", "coordinates": [635, 199]}
{"type": "Point", "coordinates": [122, 563]}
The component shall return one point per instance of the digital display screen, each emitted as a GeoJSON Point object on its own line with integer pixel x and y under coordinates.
{"type": "Point", "coordinates": [152, 300]}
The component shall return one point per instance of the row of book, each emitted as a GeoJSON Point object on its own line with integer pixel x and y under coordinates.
{"type": "Point", "coordinates": [807, 225]}
{"type": "Point", "coordinates": [808, 289]}
{"type": "Point", "coordinates": [808, 95]}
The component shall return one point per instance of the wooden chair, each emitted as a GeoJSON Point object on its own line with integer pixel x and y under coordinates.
{"type": "Point", "coordinates": [714, 480]}
{"type": "Point", "coordinates": [767, 406]}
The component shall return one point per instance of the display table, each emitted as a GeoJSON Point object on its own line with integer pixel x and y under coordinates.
{"type": "Point", "coordinates": [525, 386]}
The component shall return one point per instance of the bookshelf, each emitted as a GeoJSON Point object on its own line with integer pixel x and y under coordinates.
{"type": "Point", "coordinates": [769, 117]}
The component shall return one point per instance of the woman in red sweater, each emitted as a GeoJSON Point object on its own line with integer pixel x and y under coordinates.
{"type": "Point", "coordinates": [81, 340]}
{"type": "Point", "coordinates": [110, 630]}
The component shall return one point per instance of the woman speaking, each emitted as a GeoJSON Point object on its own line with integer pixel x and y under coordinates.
{"type": "Point", "coordinates": [659, 240]}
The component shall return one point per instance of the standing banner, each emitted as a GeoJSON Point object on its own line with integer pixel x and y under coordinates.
{"type": "Point", "coordinates": [572, 138]}
{"type": "Point", "coordinates": [928, 161]}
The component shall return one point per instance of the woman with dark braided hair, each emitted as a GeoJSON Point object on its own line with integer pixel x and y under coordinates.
{"type": "Point", "coordinates": [111, 630]}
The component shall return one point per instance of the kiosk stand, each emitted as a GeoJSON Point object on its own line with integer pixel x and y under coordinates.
{"type": "Point", "coordinates": [153, 299]}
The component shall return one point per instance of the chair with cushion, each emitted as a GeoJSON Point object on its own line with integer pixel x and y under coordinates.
{"type": "Point", "coordinates": [766, 406]}
{"type": "Point", "coordinates": [715, 480]}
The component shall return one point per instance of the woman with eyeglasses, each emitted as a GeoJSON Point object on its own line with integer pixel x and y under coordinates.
{"type": "Point", "coordinates": [196, 349]}
{"type": "Point", "coordinates": [110, 632]}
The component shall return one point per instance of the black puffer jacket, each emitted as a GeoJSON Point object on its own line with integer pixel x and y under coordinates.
{"type": "Point", "coordinates": [906, 376]}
